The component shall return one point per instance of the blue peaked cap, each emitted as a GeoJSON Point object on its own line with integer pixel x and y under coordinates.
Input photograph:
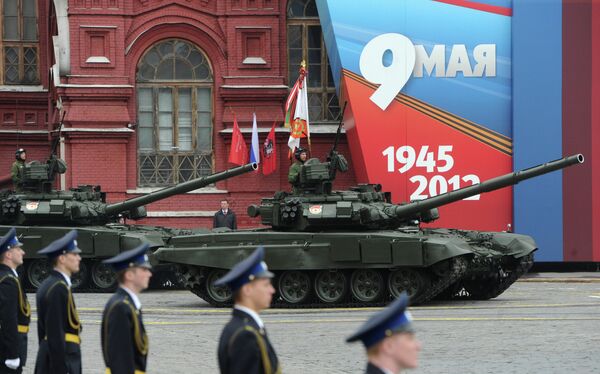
{"type": "Point", "coordinates": [66, 244]}
{"type": "Point", "coordinates": [393, 319]}
{"type": "Point", "coordinates": [9, 240]}
{"type": "Point", "coordinates": [136, 257]}
{"type": "Point", "coordinates": [246, 271]}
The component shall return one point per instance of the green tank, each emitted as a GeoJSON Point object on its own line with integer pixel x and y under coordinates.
{"type": "Point", "coordinates": [42, 214]}
{"type": "Point", "coordinates": [356, 248]}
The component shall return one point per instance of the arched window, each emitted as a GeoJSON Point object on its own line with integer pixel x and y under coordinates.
{"type": "Point", "coordinates": [175, 119]}
{"type": "Point", "coordinates": [305, 42]}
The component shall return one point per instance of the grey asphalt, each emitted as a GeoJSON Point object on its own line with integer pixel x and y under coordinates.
{"type": "Point", "coordinates": [534, 327]}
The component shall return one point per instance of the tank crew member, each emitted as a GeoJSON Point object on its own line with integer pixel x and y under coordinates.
{"type": "Point", "coordinates": [294, 172]}
{"type": "Point", "coordinates": [123, 336]}
{"type": "Point", "coordinates": [225, 217]}
{"type": "Point", "coordinates": [244, 346]}
{"type": "Point", "coordinates": [15, 311]}
{"type": "Point", "coordinates": [58, 320]}
{"type": "Point", "coordinates": [389, 338]}
{"type": "Point", "coordinates": [16, 171]}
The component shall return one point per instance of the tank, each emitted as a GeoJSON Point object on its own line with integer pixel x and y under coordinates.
{"type": "Point", "coordinates": [42, 214]}
{"type": "Point", "coordinates": [356, 248]}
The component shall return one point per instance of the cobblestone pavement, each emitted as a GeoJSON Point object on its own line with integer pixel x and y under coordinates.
{"type": "Point", "coordinates": [532, 328]}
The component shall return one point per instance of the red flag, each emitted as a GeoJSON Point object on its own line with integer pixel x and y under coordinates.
{"type": "Point", "coordinates": [238, 154]}
{"type": "Point", "coordinates": [269, 151]}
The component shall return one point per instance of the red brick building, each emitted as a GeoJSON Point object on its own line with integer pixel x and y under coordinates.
{"type": "Point", "coordinates": [149, 89]}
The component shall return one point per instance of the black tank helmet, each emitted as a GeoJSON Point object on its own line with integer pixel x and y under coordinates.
{"type": "Point", "coordinates": [18, 153]}
{"type": "Point", "coordinates": [298, 152]}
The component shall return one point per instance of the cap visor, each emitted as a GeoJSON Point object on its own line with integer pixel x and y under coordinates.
{"type": "Point", "coordinates": [265, 274]}
{"type": "Point", "coordinates": [76, 250]}
{"type": "Point", "coordinates": [145, 265]}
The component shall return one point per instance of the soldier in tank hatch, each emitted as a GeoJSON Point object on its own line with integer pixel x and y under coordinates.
{"type": "Point", "coordinates": [389, 338]}
{"type": "Point", "coordinates": [15, 312]}
{"type": "Point", "coordinates": [301, 156]}
{"type": "Point", "coordinates": [16, 170]}
{"type": "Point", "coordinates": [244, 346]}
{"type": "Point", "coordinates": [58, 321]}
{"type": "Point", "coordinates": [123, 336]}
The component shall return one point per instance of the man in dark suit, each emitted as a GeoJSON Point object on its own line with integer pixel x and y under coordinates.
{"type": "Point", "coordinates": [225, 217]}
{"type": "Point", "coordinates": [58, 321]}
{"type": "Point", "coordinates": [123, 336]}
{"type": "Point", "coordinates": [15, 311]}
{"type": "Point", "coordinates": [244, 346]}
{"type": "Point", "coordinates": [389, 338]}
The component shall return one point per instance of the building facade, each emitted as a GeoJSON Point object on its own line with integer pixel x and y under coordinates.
{"type": "Point", "coordinates": [147, 91]}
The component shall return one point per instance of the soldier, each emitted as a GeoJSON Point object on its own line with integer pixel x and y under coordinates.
{"type": "Point", "coordinates": [15, 311]}
{"type": "Point", "coordinates": [58, 320]}
{"type": "Point", "coordinates": [294, 172]}
{"type": "Point", "coordinates": [16, 171]}
{"type": "Point", "coordinates": [123, 336]}
{"type": "Point", "coordinates": [244, 346]}
{"type": "Point", "coordinates": [389, 338]}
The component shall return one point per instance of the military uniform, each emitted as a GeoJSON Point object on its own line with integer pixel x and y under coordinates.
{"type": "Point", "coordinates": [58, 321]}
{"type": "Point", "coordinates": [372, 369]}
{"type": "Point", "coordinates": [16, 173]}
{"type": "Point", "coordinates": [394, 319]}
{"type": "Point", "coordinates": [294, 176]}
{"type": "Point", "coordinates": [244, 346]}
{"type": "Point", "coordinates": [123, 336]}
{"type": "Point", "coordinates": [15, 314]}
{"type": "Point", "coordinates": [58, 328]}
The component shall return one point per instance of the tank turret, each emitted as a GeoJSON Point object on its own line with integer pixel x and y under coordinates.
{"type": "Point", "coordinates": [39, 204]}
{"type": "Point", "coordinates": [365, 207]}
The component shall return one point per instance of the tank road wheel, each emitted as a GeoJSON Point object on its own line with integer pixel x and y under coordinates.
{"type": "Point", "coordinates": [409, 280]}
{"type": "Point", "coordinates": [37, 271]}
{"type": "Point", "coordinates": [331, 286]}
{"type": "Point", "coordinates": [218, 294]}
{"type": "Point", "coordinates": [366, 285]}
{"type": "Point", "coordinates": [80, 279]}
{"type": "Point", "coordinates": [294, 286]}
{"type": "Point", "coordinates": [104, 277]}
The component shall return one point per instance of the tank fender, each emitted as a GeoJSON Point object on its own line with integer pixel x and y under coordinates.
{"type": "Point", "coordinates": [515, 245]}
{"type": "Point", "coordinates": [436, 250]}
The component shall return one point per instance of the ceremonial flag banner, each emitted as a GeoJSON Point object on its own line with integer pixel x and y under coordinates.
{"type": "Point", "coordinates": [238, 154]}
{"type": "Point", "coordinates": [300, 124]}
{"type": "Point", "coordinates": [270, 153]}
{"type": "Point", "coordinates": [254, 153]}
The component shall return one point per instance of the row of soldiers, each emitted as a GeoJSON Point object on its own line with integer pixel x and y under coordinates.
{"type": "Point", "coordinates": [244, 346]}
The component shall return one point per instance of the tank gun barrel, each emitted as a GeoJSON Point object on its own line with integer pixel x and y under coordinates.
{"type": "Point", "coordinates": [112, 209]}
{"type": "Point", "coordinates": [489, 185]}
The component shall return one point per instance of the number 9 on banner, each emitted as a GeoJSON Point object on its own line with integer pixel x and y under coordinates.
{"type": "Point", "coordinates": [392, 77]}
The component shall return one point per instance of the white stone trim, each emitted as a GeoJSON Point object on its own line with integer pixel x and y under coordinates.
{"type": "Point", "coordinates": [94, 85]}
{"type": "Point", "coordinates": [98, 60]}
{"type": "Point", "coordinates": [19, 88]}
{"type": "Point", "coordinates": [83, 129]}
{"type": "Point", "coordinates": [23, 131]}
{"type": "Point", "coordinates": [314, 129]}
{"type": "Point", "coordinates": [64, 44]}
{"type": "Point", "coordinates": [254, 60]}
{"type": "Point", "coordinates": [246, 86]}
{"type": "Point", "coordinates": [97, 27]}
{"type": "Point", "coordinates": [182, 213]}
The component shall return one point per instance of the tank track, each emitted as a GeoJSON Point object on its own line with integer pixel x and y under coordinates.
{"type": "Point", "coordinates": [194, 280]}
{"type": "Point", "coordinates": [485, 285]}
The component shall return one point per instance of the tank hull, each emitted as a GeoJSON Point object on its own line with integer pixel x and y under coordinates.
{"type": "Point", "coordinates": [355, 268]}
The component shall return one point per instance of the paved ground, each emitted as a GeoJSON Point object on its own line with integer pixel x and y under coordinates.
{"type": "Point", "coordinates": [534, 327]}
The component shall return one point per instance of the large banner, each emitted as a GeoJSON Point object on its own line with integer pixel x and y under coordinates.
{"type": "Point", "coordinates": [428, 91]}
